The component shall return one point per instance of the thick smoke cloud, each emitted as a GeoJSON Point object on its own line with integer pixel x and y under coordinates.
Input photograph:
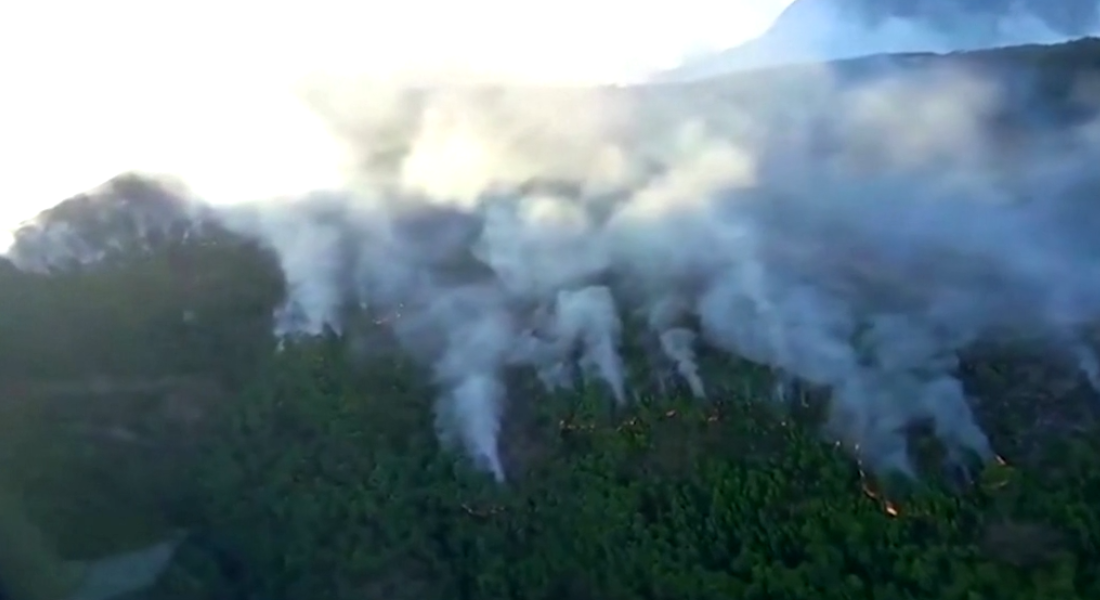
{"type": "Point", "coordinates": [854, 236]}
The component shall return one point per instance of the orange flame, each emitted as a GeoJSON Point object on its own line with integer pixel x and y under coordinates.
{"type": "Point", "coordinates": [888, 506]}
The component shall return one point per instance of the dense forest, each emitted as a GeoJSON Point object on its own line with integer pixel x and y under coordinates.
{"type": "Point", "coordinates": [145, 398]}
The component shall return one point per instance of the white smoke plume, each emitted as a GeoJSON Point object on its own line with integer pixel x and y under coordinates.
{"type": "Point", "coordinates": [855, 236]}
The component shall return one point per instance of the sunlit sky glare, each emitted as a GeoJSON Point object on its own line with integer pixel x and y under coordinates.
{"type": "Point", "coordinates": [194, 88]}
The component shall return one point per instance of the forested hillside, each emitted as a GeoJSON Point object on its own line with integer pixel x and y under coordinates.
{"type": "Point", "coordinates": [145, 396]}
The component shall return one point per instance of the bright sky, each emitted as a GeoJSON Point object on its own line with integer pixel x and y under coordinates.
{"type": "Point", "coordinates": [192, 87]}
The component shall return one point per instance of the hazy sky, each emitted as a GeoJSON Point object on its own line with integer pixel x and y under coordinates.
{"type": "Point", "coordinates": [93, 88]}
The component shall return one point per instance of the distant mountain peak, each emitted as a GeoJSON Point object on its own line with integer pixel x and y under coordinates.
{"type": "Point", "coordinates": [1069, 17]}
{"type": "Point", "coordinates": [824, 30]}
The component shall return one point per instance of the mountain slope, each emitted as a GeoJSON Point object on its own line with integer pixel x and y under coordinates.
{"type": "Point", "coordinates": [314, 471]}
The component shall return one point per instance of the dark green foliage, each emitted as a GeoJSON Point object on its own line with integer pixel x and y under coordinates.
{"type": "Point", "coordinates": [105, 373]}
{"type": "Point", "coordinates": [197, 305]}
{"type": "Point", "coordinates": [311, 491]}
